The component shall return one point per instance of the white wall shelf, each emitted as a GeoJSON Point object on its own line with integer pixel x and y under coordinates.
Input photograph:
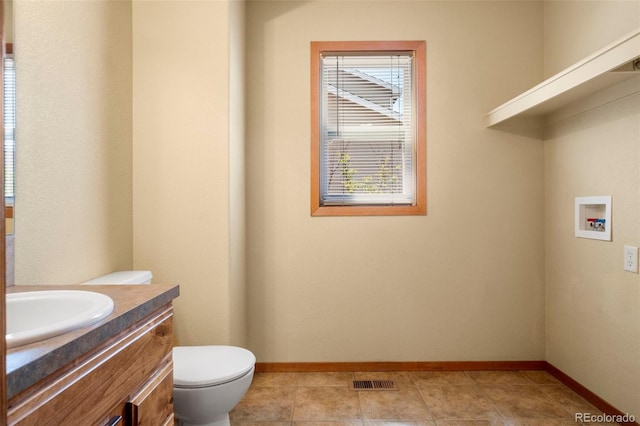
{"type": "Point", "coordinates": [605, 68]}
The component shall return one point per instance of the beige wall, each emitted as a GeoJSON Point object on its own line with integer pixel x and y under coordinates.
{"type": "Point", "coordinates": [237, 175]}
{"type": "Point", "coordinates": [592, 315]}
{"type": "Point", "coordinates": [7, 14]}
{"type": "Point", "coordinates": [575, 29]}
{"type": "Point", "coordinates": [73, 193]}
{"type": "Point", "coordinates": [185, 117]}
{"type": "Point", "coordinates": [464, 282]}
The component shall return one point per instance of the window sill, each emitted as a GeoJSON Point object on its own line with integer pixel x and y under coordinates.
{"type": "Point", "coordinates": [417, 210]}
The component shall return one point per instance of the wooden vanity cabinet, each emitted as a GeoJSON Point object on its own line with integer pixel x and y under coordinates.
{"type": "Point", "coordinates": [126, 381]}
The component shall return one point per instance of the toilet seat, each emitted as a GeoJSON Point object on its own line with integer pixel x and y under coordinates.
{"type": "Point", "coordinates": [203, 366]}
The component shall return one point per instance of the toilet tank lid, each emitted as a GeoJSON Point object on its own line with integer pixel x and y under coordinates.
{"type": "Point", "coordinates": [123, 277]}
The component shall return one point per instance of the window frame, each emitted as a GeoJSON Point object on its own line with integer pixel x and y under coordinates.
{"type": "Point", "coordinates": [383, 47]}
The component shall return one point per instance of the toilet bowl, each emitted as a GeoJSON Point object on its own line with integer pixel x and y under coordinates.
{"type": "Point", "coordinates": [208, 381]}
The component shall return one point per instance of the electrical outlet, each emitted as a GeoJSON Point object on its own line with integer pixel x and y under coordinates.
{"type": "Point", "coordinates": [631, 259]}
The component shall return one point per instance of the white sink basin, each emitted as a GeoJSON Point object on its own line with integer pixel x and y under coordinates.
{"type": "Point", "coordinates": [37, 315]}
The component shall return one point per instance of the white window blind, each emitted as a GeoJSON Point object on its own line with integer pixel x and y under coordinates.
{"type": "Point", "coordinates": [9, 120]}
{"type": "Point", "coordinates": [367, 127]}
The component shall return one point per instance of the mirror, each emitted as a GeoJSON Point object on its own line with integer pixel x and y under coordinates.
{"type": "Point", "coordinates": [9, 144]}
{"type": "Point", "coordinates": [3, 367]}
{"type": "Point", "coordinates": [9, 118]}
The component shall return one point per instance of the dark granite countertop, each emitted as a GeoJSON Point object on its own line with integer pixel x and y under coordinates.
{"type": "Point", "coordinates": [28, 364]}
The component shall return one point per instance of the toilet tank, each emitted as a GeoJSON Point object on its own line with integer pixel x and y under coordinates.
{"type": "Point", "coordinates": [123, 277]}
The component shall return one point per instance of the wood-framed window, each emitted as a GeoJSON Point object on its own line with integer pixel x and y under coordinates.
{"type": "Point", "coordinates": [368, 131]}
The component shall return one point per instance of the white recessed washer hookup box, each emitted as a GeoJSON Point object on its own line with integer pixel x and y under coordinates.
{"type": "Point", "coordinates": [593, 217]}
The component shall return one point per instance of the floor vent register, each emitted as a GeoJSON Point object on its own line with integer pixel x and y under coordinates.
{"type": "Point", "coordinates": [373, 385]}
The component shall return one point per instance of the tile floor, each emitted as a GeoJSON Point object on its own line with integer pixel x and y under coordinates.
{"type": "Point", "coordinates": [434, 398]}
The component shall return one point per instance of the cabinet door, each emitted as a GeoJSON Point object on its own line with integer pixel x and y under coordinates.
{"type": "Point", "coordinates": [153, 405]}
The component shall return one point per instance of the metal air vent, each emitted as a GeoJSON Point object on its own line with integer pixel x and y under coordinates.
{"type": "Point", "coordinates": [373, 385]}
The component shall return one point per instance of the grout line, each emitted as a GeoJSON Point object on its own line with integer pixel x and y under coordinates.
{"type": "Point", "coordinates": [293, 403]}
{"type": "Point", "coordinates": [360, 410]}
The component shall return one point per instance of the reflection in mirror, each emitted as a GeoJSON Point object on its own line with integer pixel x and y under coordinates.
{"type": "Point", "coordinates": [9, 120]}
{"type": "Point", "coordinates": [9, 123]}
{"type": "Point", "coordinates": [9, 114]}
{"type": "Point", "coordinates": [3, 350]}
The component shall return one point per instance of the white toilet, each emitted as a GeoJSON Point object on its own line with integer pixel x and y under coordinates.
{"type": "Point", "coordinates": [208, 381]}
